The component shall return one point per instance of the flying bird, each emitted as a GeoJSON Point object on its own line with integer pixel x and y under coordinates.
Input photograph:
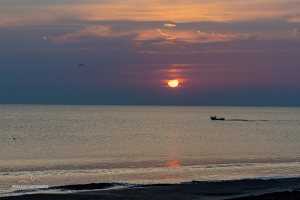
{"type": "Point", "coordinates": [81, 65]}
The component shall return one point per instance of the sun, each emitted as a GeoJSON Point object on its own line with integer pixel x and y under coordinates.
{"type": "Point", "coordinates": [173, 83]}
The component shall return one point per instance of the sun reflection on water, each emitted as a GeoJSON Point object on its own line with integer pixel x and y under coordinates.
{"type": "Point", "coordinates": [174, 163]}
{"type": "Point", "coordinates": [173, 154]}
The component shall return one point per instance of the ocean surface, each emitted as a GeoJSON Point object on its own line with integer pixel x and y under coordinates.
{"type": "Point", "coordinates": [44, 147]}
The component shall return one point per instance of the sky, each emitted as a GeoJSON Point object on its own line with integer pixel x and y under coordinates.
{"type": "Point", "coordinates": [222, 52]}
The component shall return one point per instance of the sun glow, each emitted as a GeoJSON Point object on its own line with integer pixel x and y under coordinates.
{"type": "Point", "coordinates": [173, 83]}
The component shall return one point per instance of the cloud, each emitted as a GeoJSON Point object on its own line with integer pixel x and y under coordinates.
{"type": "Point", "coordinates": [92, 33]}
{"type": "Point", "coordinates": [97, 33]}
{"type": "Point", "coordinates": [212, 37]}
{"type": "Point", "coordinates": [296, 32]}
{"type": "Point", "coordinates": [169, 36]}
{"type": "Point", "coordinates": [170, 25]}
{"type": "Point", "coordinates": [178, 11]}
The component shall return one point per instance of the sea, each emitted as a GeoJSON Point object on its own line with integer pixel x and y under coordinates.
{"type": "Point", "coordinates": [66, 148]}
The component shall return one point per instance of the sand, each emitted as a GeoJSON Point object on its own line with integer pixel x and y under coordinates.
{"type": "Point", "coordinates": [242, 189]}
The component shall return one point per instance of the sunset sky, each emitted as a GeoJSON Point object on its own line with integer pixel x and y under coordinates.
{"type": "Point", "coordinates": [222, 52]}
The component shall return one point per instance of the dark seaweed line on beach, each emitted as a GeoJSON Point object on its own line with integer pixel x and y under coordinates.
{"type": "Point", "coordinates": [246, 189]}
{"type": "Point", "coordinates": [286, 195]}
{"type": "Point", "coordinates": [101, 186]}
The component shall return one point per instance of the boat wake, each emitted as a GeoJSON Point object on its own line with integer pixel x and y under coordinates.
{"type": "Point", "coordinates": [247, 120]}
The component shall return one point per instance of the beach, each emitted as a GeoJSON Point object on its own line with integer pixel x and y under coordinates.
{"type": "Point", "coordinates": [286, 188]}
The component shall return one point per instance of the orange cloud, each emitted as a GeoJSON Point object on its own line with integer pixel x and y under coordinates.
{"type": "Point", "coordinates": [296, 32]}
{"type": "Point", "coordinates": [95, 33]}
{"type": "Point", "coordinates": [169, 36]}
{"type": "Point", "coordinates": [206, 37]}
{"type": "Point", "coordinates": [156, 10]}
{"type": "Point", "coordinates": [170, 25]}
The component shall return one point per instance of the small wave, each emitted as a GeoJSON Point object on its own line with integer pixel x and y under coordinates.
{"type": "Point", "coordinates": [91, 186]}
{"type": "Point", "coordinates": [247, 179]}
{"type": "Point", "coordinates": [101, 186]}
{"type": "Point", "coordinates": [227, 165]}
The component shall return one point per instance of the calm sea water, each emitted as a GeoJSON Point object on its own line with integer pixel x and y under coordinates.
{"type": "Point", "coordinates": [65, 145]}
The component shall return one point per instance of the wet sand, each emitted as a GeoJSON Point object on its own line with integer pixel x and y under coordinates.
{"type": "Point", "coordinates": [241, 189]}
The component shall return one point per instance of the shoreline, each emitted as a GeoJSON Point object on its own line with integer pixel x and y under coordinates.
{"type": "Point", "coordinates": [285, 188]}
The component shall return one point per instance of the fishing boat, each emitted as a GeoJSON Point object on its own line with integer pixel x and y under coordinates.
{"type": "Point", "coordinates": [215, 118]}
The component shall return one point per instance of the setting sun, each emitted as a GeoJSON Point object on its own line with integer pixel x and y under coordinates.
{"type": "Point", "coordinates": [173, 83]}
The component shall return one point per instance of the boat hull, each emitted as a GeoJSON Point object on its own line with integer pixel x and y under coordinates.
{"type": "Point", "coordinates": [214, 118]}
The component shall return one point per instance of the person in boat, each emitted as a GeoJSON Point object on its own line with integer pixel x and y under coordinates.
{"type": "Point", "coordinates": [215, 118]}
